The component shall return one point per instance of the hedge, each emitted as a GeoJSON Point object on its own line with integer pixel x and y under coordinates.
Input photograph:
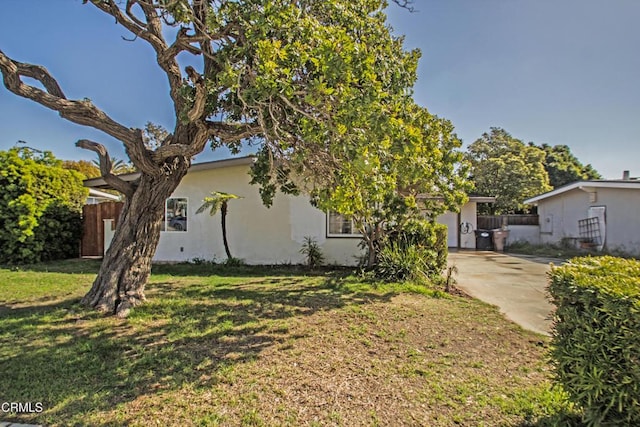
{"type": "Point", "coordinates": [596, 337]}
{"type": "Point", "coordinates": [418, 251]}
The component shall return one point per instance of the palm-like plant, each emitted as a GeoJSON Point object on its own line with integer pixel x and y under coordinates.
{"type": "Point", "coordinates": [118, 166]}
{"type": "Point", "coordinates": [219, 200]}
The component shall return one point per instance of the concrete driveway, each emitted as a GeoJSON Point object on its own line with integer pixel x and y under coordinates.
{"type": "Point", "coordinates": [515, 283]}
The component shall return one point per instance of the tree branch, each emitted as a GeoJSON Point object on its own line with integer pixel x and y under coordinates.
{"type": "Point", "coordinates": [82, 112]}
{"type": "Point", "coordinates": [231, 132]}
{"type": "Point", "coordinates": [150, 31]}
{"type": "Point", "coordinates": [116, 182]}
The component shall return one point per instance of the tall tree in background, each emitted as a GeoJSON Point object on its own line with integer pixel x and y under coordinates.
{"type": "Point", "coordinates": [294, 77]}
{"type": "Point", "coordinates": [505, 167]}
{"type": "Point", "coordinates": [564, 168]}
{"type": "Point", "coordinates": [86, 168]}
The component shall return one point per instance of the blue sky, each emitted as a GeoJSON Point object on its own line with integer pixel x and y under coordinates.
{"type": "Point", "coordinates": [548, 71]}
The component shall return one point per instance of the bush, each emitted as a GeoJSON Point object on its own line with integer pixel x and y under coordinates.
{"type": "Point", "coordinates": [398, 263]}
{"type": "Point", "coordinates": [417, 252]}
{"type": "Point", "coordinates": [40, 207]}
{"type": "Point", "coordinates": [312, 251]}
{"type": "Point", "coordinates": [596, 338]}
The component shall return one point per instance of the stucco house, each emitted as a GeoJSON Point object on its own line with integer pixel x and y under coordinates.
{"type": "Point", "coordinates": [597, 214]}
{"type": "Point", "coordinates": [261, 235]}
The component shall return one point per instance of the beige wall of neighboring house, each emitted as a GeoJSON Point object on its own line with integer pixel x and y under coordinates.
{"type": "Point", "coordinates": [257, 234]}
{"type": "Point", "coordinates": [561, 209]}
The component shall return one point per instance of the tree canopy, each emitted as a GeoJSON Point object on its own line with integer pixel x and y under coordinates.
{"type": "Point", "coordinates": [86, 168]}
{"type": "Point", "coordinates": [505, 167]}
{"type": "Point", "coordinates": [410, 167]}
{"type": "Point", "coordinates": [40, 207]}
{"type": "Point", "coordinates": [564, 168]}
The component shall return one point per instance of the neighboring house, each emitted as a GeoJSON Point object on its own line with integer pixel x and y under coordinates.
{"type": "Point", "coordinates": [261, 235]}
{"type": "Point", "coordinates": [595, 214]}
{"type": "Point", "coordinates": [97, 196]}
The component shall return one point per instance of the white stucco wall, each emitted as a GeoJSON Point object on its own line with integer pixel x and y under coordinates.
{"type": "Point", "coordinates": [524, 233]}
{"type": "Point", "coordinates": [559, 216]}
{"type": "Point", "coordinates": [261, 235]}
{"type": "Point", "coordinates": [257, 234]}
{"type": "Point", "coordinates": [622, 218]}
{"type": "Point", "coordinates": [450, 219]}
{"type": "Point", "coordinates": [622, 221]}
{"type": "Point", "coordinates": [467, 215]}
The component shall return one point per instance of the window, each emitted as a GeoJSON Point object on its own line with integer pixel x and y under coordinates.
{"type": "Point", "coordinates": [340, 226]}
{"type": "Point", "coordinates": [175, 215]}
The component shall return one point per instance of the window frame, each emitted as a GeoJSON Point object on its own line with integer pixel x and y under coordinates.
{"type": "Point", "coordinates": [352, 235]}
{"type": "Point", "coordinates": [165, 221]}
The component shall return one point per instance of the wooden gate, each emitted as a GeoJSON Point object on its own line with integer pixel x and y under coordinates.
{"type": "Point", "coordinates": [93, 217]}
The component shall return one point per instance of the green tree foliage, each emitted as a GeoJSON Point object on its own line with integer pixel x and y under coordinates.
{"type": "Point", "coordinates": [40, 207]}
{"type": "Point", "coordinates": [564, 168]}
{"type": "Point", "coordinates": [154, 135]}
{"type": "Point", "coordinates": [408, 167]}
{"type": "Point", "coordinates": [504, 167]}
{"type": "Point", "coordinates": [86, 168]}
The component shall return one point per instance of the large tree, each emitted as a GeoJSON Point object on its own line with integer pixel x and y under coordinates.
{"type": "Point", "coordinates": [424, 175]}
{"type": "Point", "coordinates": [563, 167]}
{"type": "Point", "coordinates": [505, 167]}
{"type": "Point", "coordinates": [293, 76]}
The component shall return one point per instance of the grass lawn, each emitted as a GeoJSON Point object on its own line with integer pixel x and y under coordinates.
{"type": "Point", "coordinates": [261, 347]}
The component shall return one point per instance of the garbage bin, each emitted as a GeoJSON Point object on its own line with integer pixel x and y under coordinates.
{"type": "Point", "coordinates": [484, 241]}
{"type": "Point", "coordinates": [499, 238]}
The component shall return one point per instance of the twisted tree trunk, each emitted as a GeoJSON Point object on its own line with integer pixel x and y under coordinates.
{"type": "Point", "coordinates": [126, 266]}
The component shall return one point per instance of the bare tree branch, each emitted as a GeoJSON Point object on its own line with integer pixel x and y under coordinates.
{"type": "Point", "coordinates": [82, 112]}
{"type": "Point", "coordinates": [116, 182]}
{"type": "Point", "coordinates": [150, 31]}
{"type": "Point", "coordinates": [407, 4]}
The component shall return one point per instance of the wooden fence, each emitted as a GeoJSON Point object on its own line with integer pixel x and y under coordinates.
{"type": "Point", "coordinates": [93, 217]}
{"type": "Point", "coordinates": [489, 222]}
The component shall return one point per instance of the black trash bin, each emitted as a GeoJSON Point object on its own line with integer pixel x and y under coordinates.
{"type": "Point", "coordinates": [484, 240]}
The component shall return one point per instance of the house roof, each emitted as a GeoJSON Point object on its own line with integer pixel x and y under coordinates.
{"type": "Point", "coordinates": [482, 199]}
{"type": "Point", "coordinates": [472, 198]}
{"type": "Point", "coordinates": [215, 164]}
{"type": "Point", "coordinates": [586, 186]}
{"type": "Point", "coordinates": [97, 194]}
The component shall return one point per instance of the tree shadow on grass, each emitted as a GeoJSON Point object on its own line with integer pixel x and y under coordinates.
{"type": "Point", "coordinates": [184, 269]}
{"type": "Point", "coordinates": [80, 363]}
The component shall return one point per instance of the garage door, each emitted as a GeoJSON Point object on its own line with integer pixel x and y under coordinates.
{"type": "Point", "coordinates": [450, 219]}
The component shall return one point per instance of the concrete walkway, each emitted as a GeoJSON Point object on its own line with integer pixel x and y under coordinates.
{"type": "Point", "coordinates": [515, 283]}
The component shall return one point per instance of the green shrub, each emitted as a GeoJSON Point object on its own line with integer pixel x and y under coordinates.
{"type": "Point", "coordinates": [312, 251]}
{"type": "Point", "coordinates": [397, 262]}
{"type": "Point", "coordinates": [40, 207]}
{"type": "Point", "coordinates": [596, 338]}
{"type": "Point", "coordinates": [416, 252]}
